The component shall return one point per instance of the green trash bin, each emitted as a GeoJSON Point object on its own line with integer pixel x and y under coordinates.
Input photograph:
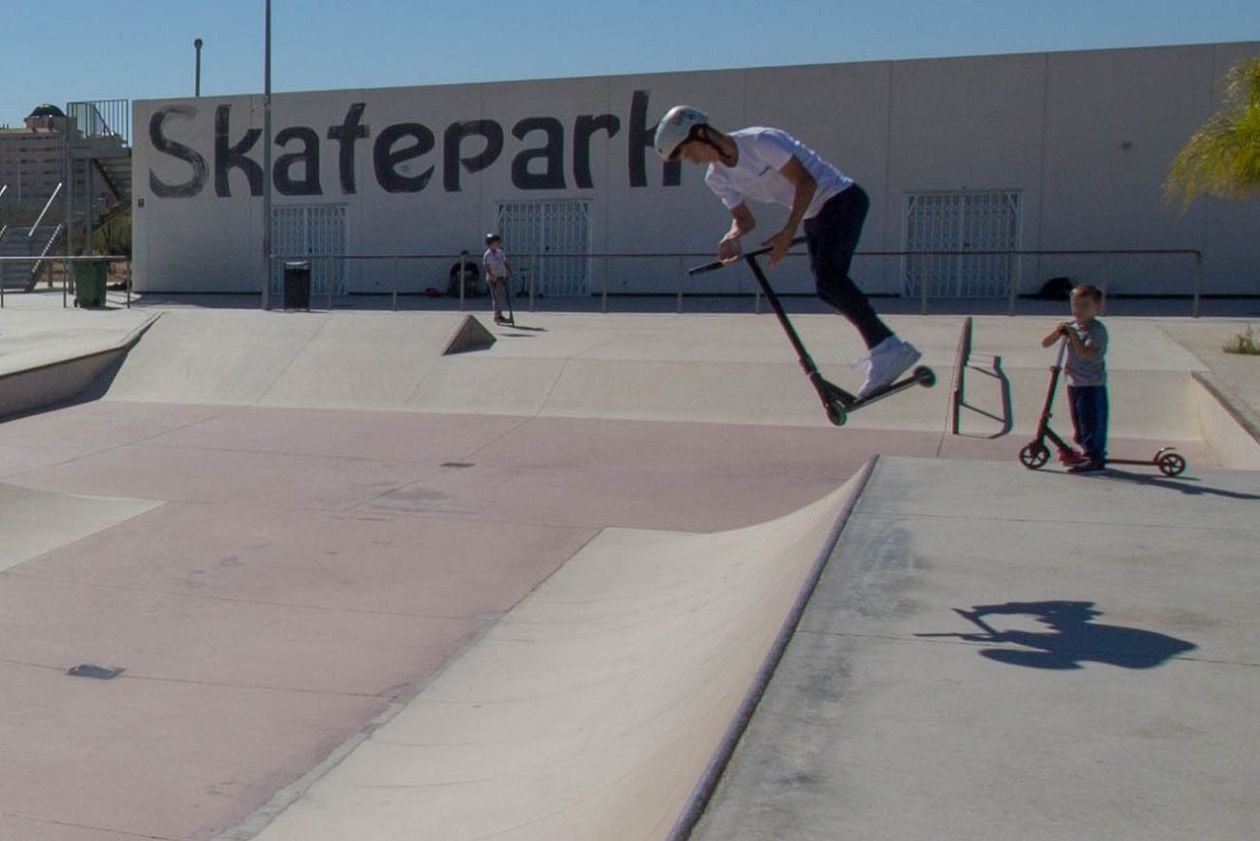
{"type": "Point", "coordinates": [89, 283]}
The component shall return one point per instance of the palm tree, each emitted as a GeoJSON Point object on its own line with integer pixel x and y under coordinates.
{"type": "Point", "coordinates": [1223, 157]}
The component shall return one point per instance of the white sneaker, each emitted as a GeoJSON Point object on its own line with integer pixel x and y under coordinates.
{"type": "Point", "coordinates": [888, 360]}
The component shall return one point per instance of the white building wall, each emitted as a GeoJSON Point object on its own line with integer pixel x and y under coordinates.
{"type": "Point", "coordinates": [1086, 137]}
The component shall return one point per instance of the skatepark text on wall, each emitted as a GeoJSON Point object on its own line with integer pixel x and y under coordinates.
{"type": "Point", "coordinates": [469, 146]}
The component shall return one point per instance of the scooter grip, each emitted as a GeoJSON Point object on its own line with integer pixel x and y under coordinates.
{"type": "Point", "coordinates": [718, 264]}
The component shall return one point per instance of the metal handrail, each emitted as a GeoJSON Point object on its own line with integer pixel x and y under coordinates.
{"type": "Point", "coordinates": [961, 360]}
{"type": "Point", "coordinates": [1012, 295]}
{"type": "Point", "coordinates": [86, 258]}
{"type": "Point", "coordinates": [44, 212]}
{"type": "Point", "coordinates": [47, 247]}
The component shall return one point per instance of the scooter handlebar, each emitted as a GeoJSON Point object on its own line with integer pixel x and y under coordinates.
{"type": "Point", "coordinates": [719, 264]}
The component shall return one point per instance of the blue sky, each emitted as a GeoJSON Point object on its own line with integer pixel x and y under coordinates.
{"type": "Point", "coordinates": [139, 49]}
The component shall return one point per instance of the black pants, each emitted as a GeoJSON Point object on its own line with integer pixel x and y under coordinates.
{"type": "Point", "coordinates": [832, 237]}
{"type": "Point", "coordinates": [1089, 419]}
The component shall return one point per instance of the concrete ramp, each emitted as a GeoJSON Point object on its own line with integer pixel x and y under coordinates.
{"type": "Point", "coordinates": [318, 360]}
{"type": "Point", "coordinates": [994, 653]}
{"type": "Point", "coordinates": [33, 522]}
{"type": "Point", "coordinates": [590, 711]}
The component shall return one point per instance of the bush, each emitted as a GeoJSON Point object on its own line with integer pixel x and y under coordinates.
{"type": "Point", "coordinates": [1247, 343]}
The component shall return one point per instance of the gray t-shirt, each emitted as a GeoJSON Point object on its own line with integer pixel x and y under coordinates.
{"type": "Point", "coordinates": [495, 263]}
{"type": "Point", "coordinates": [1088, 370]}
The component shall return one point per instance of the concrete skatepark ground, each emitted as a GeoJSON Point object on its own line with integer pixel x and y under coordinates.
{"type": "Point", "coordinates": [362, 589]}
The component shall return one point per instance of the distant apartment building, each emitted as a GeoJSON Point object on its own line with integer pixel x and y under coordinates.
{"type": "Point", "coordinates": [31, 158]}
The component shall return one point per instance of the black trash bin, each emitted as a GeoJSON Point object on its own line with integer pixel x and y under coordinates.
{"type": "Point", "coordinates": [297, 285]}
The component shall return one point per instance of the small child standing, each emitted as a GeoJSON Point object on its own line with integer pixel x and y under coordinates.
{"type": "Point", "coordinates": [1087, 378]}
{"type": "Point", "coordinates": [497, 270]}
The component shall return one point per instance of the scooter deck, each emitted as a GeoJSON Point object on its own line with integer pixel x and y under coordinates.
{"type": "Point", "coordinates": [839, 403]}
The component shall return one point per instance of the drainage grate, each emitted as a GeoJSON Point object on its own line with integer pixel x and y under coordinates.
{"type": "Point", "coordinates": [457, 464]}
{"type": "Point", "coordinates": [96, 672]}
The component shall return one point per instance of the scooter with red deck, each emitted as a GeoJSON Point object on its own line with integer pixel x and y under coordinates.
{"type": "Point", "coordinates": [1035, 454]}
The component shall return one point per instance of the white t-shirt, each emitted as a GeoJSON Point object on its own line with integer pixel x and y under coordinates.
{"type": "Point", "coordinates": [495, 262]}
{"type": "Point", "coordinates": [762, 153]}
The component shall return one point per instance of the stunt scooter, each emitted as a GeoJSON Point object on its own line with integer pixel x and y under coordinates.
{"type": "Point", "coordinates": [504, 288]}
{"type": "Point", "coordinates": [1035, 454]}
{"type": "Point", "coordinates": [837, 402]}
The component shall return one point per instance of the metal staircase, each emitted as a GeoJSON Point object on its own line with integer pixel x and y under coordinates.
{"type": "Point", "coordinates": [99, 151]}
{"type": "Point", "coordinates": [21, 276]}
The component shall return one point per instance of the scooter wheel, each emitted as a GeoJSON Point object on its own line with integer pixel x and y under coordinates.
{"type": "Point", "coordinates": [1034, 455]}
{"type": "Point", "coordinates": [1171, 464]}
{"type": "Point", "coordinates": [836, 414]}
{"type": "Point", "coordinates": [925, 376]}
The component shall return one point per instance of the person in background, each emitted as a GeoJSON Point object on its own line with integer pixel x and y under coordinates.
{"type": "Point", "coordinates": [498, 270]}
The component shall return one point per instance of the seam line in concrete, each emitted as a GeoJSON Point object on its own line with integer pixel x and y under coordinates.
{"type": "Point", "coordinates": [119, 832]}
{"type": "Point", "coordinates": [230, 599]}
{"type": "Point", "coordinates": [971, 518]}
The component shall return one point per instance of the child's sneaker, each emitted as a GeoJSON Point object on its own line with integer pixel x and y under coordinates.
{"type": "Point", "coordinates": [1072, 457]}
{"type": "Point", "coordinates": [888, 360]}
{"type": "Point", "coordinates": [1087, 467]}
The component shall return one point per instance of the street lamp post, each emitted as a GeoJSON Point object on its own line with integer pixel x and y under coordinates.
{"type": "Point", "coordinates": [266, 211]}
{"type": "Point", "coordinates": [197, 76]}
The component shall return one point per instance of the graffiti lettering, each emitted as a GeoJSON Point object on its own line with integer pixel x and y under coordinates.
{"type": "Point", "coordinates": [468, 147]}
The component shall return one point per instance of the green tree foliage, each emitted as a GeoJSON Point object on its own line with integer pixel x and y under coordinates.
{"type": "Point", "coordinates": [114, 237]}
{"type": "Point", "coordinates": [1222, 158]}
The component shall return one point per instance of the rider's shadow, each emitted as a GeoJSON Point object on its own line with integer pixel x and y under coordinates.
{"type": "Point", "coordinates": [1073, 638]}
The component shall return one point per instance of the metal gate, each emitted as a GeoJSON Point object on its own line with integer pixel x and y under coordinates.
{"type": "Point", "coordinates": [987, 221]}
{"type": "Point", "coordinates": [314, 231]}
{"type": "Point", "coordinates": [533, 229]}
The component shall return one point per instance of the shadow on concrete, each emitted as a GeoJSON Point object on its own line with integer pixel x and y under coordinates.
{"type": "Point", "coordinates": [1186, 485]}
{"type": "Point", "coordinates": [1073, 640]}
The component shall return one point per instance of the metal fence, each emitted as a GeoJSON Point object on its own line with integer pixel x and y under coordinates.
{"type": "Point", "coordinates": [659, 276]}
{"type": "Point", "coordinates": [606, 274]}
{"type": "Point", "coordinates": [64, 266]}
{"type": "Point", "coordinates": [102, 118]}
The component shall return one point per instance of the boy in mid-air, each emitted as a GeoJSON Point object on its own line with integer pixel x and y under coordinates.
{"type": "Point", "coordinates": [494, 263]}
{"type": "Point", "coordinates": [1087, 378]}
{"type": "Point", "coordinates": [769, 165]}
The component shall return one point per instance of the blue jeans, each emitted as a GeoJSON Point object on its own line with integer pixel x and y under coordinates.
{"type": "Point", "coordinates": [832, 237]}
{"type": "Point", "coordinates": [1089, 419]}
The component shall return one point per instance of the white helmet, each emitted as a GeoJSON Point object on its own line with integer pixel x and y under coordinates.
{"type": "Point", "coordinates": [675, 129]}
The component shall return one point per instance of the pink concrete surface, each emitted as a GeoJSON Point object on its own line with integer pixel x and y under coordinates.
{"type": "Point", "coordinates": [311, 567]}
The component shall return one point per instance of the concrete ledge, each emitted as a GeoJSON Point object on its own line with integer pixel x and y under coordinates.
{"type": "Point", "coordinates": [1229, 426]}
{"type": "Point", "coordinates": [31, 389]}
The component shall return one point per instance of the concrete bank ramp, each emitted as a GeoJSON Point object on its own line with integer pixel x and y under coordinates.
{"type": "Point", "coordinates": [317, 360]}
{"type": "Point", "coordinates": [713, 369]}
{"type": "Point", "coordinates": [591, 710]}
{"type": "Point", "coordinates": [47, 359]}
{"type": "Point", "coordinates": [33, 522]}
{"type": "Point", "coordinates": [994, 653]}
